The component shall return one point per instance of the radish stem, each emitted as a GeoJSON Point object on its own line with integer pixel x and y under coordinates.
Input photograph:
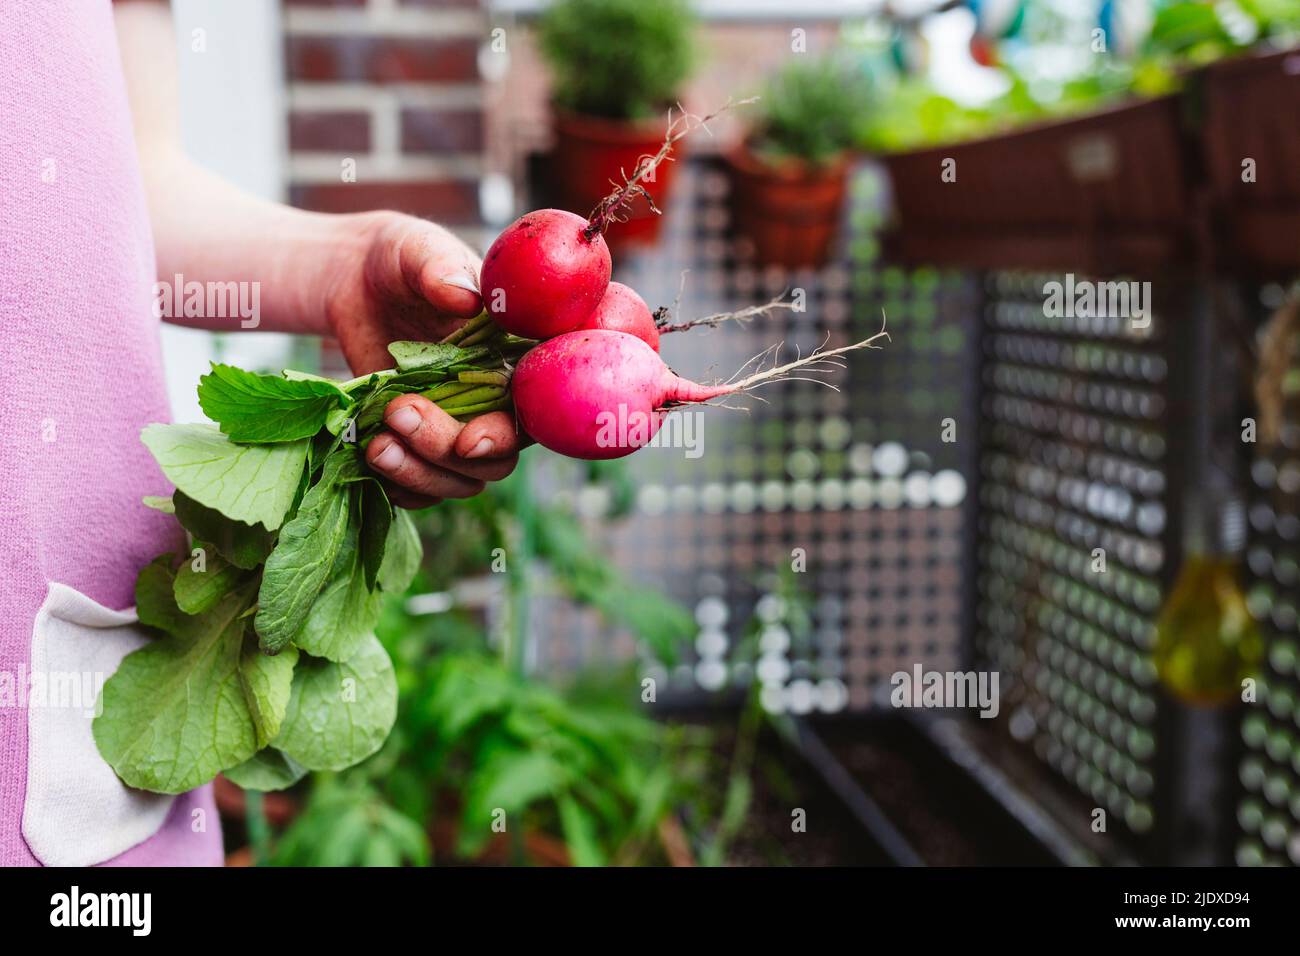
{"type": "Point", "coordinates": [470, 327]}
{"type": "Point", "coordinates": [485, 377]}
{"type": "Point", "coordinates": [493, 406]}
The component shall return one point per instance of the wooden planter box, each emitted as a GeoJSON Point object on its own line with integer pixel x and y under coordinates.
{"type": "Point", "coordinates": [1252, 112]}
{"type": "Point", "coordinates": [1105, 193]}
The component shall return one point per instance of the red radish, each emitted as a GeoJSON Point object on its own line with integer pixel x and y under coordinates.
{"type": "Point", "coordinates": [622, 310]}
{"type": "Point", "coordinates": [597, 394]}
{"type": "Point", "coordinates": [548, 270]}
{"type": "Point", "coordinates": [544, 274]}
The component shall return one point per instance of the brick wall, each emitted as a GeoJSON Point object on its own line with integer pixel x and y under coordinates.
{"type": "Point", "coordinates": [393, 85]}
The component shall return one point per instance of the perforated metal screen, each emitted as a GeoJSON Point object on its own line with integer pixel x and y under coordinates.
{"type": "Point", "coordinates": [860, 478]}
{"type": "Point", "coordinates": [1074, 502]}
{"type": "Point", "coordinates": [1269, 814]}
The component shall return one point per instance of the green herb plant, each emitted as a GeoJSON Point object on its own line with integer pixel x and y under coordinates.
{"type": "Point", "coordinates": [909, 113]}
{"type": "Point", "coordinates": [812, 110]}
{"type": "Point", "coordinates": [617, 59]}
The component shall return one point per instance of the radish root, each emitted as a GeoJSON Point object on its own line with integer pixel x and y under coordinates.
{"type": "Point", "coordinates": [818, 360]}
{"type": "Point", "coordinates": [610, 208]}
{"type": "Point", "coordinates": [664, 323]}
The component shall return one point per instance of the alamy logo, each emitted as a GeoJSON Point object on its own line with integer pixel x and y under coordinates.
{"type": "Point", "coordinates": [943, 689]}
{"type": "Point", "coordinates": [633, 428]}
{"type": "Point", "coordinates": [55, 690]}
{"type": "Point", "coordinates": [1083, 298]}
{"type": "Point", "coordinates": [179, 299]}
{"type": "Point", "coordinates": [134, 910]}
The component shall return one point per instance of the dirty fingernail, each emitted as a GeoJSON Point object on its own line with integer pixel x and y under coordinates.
{"type": "Point", "coordinates": [461, 282]}
{"type": "Point", "coordinates": [404, 420]}
{"type": "Point", "coordinates": [390, 457]}
{"type": "Point", "coordinates": [484, 447]}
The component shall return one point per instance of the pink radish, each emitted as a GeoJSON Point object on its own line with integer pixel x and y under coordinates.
{"type": "Point", "coordinates": [544, 274]}
{"type": "Point", "coordinates": [597, 394]}
{"type": "Point", "coordinates": [622, 310]}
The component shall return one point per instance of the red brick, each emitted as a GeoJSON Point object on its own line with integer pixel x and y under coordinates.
{"type": "Point", "coordinates": [329, 131]}
{"type": "Point", "coordinates": [360, 59]}
{"type": "Point", "coordinates": [442, 131]}
{"type": "Point", "coordinates": [451, 201]}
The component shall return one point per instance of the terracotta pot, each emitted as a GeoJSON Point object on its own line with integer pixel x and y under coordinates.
{"type": "Point", "coordinates": [590, 152]}
{"type": "Point", "coordinates": [1250, 105]}
{"type": "Point", "coordinates": [790, 211]}
{"type": "Point", "coordinates": [1104, 192]}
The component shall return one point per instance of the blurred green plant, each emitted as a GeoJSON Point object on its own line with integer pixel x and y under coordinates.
{"type": "Point", "coordinates": [582, 763]}
{"type": "Point", "coordinates": [348, 822]}
{"type": "Point", "coordinates": [617, 59]}
{"type": "Point", "coordinates": [909, 113]}
{"type": "Point", "coordinates": [476, 734]}
{"type": "Point", "coordinates": [812, 110]}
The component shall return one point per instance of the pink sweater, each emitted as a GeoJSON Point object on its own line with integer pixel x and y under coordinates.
{"type": "Point", "coordinates": [80, 365]}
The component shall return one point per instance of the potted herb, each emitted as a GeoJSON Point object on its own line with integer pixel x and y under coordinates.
{"type": "Point", "coordinates": [789, 174]}
{"type": "Point", "coordinates": [617, 68]}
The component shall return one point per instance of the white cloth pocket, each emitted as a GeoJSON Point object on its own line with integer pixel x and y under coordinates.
{"type": "Point", "coordinates": [77, 812]}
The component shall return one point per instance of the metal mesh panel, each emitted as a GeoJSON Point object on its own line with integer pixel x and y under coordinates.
{"type": "Point", "coordinates": [1269, 814]}
{"type": "Point", "coordinates": [1072, 472]}
{"type": "Point", "coordinates": [859, 478]}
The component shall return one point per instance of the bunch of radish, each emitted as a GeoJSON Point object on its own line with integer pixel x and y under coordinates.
{"type": "Point", "coordinates": [294, 541]}
{"type": "Point", "coordinates": [547, 278]}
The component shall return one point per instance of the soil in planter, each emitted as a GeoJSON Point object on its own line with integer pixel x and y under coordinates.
{"type": "Point", "coordinates": [944, 815]}
{"type": "Point", "coordinates": [782, 780]}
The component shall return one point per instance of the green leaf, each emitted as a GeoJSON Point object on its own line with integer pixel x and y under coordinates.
{"type": "Point", "coordinates": [407, 836]}
{"type": "Point", "coordinates": [199, 591]}
{"type": "Point", "coordinates": [337, 420]}
{"type": "Point", "coordinates": [294, 375]}
{"type": "Point", "coordinates": [465, 690]}
{"type": "Point", "coordinates": [511, 781]}
{"type": "Point", "coordinates": [158, 503]}
{"type": "Point", "coordinates": [340, 713]}
{"type": "Point", "coordinates": [249, 483]}
{"type": "Point", "coordinates": [376, 520]}
{"type": "Point", "coordinates": [268, 769]}
{"type": "Point", "coordinates": [402, 554]}
{"type": "Point", "coordinates": [243, 545]}
{"type": "Point", "coordinates": [155, 600]}
{"type": "Point", "coordinates": [656, 619]}
{"type": "Point", "coordinates": [266, 681]}
{"type": "Point", "coordinates": [580, 832]}
{"type": "Point", "coordinates": [266, 408]}
{"type": "Point", "coordinates": [380, 851]}
{"type": "Point", "coordinates": [304, 556]}
{"type": "Point", "coordinates": [178, 711]}
{"type": "Point", "coordinates": [346, 611]}
{"type": "Point", "coordinates": [412, 356]}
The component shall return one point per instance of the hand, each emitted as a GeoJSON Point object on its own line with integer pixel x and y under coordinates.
{"type": "Point", "coordinates": [412, 279]}
{"type": "Point", "coordinates": [427, 455]}
{"type": "Point", "coordinates": [397, 277]}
